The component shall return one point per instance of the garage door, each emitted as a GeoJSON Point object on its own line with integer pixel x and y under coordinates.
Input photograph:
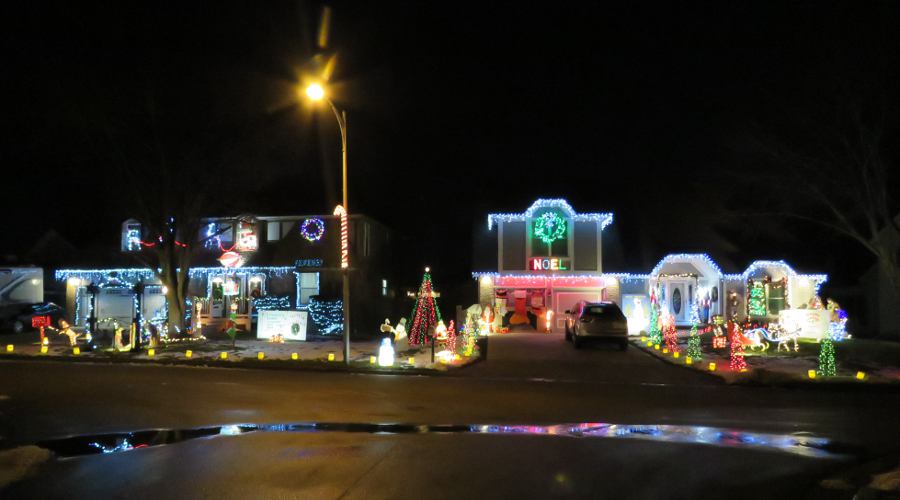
{"type": "Point", "coordinates": [564, 301]}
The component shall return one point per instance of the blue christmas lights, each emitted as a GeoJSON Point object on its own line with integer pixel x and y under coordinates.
{"type": "Point", "coordinates": [327, 315]}
{"type": "Point", "coordinates": [604, 219]}
{"type": "Point", "coordinates": [133, 275]}
{"type": "Point", "coordinates": [686, 257]}
{"type": "Point", "coordinates": [272, 303]}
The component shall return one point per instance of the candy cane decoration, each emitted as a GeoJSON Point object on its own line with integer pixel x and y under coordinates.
{"type": "Point", "coordinates": [345, 249]}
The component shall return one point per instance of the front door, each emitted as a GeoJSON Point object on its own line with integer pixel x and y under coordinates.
{"type": "Point", "coordinates": [217, 298]}
{"type": "Point", "coordinates": [678, 300]}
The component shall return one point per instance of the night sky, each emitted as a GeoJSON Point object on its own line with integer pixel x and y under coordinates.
{"type": "Point", "coordinates": [455, 111]}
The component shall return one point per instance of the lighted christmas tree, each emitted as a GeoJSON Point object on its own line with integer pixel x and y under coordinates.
{"type": "Point", "coordinates": [827, 366]}
{"type": "Point", "coordinates": [737, 348]}
{"type": "Point", "coordinates": [756, 304]}
{"type": "Point", "coordinates": [693, 350]}
{"type": "Point", "coordinates": [425, 314]}
{"type": "Point", "coordinates": [654, 332]}
{"type": "Point", "coordinates": [670, 334]}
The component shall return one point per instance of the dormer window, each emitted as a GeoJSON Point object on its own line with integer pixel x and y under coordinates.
{"type": "Point", "coordinates": [131, 236]}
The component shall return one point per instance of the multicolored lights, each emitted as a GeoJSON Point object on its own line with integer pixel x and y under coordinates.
{"type": "Point", "coordinates": [312, 229]}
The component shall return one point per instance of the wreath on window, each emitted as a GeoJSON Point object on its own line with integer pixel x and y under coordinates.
{"type": "Point", "coordinates": [312, 229]}
{"type": "Point", "coordinates": [550, 227]}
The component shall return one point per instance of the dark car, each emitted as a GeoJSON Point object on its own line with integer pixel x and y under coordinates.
{"type": "Point", "coordinates": [17, 317]}
{"type": "Point", "coordinates": [602, 321]}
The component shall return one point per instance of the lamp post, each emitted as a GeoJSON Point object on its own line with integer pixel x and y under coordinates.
{"type": "Point", "coordinates": [316, 93]}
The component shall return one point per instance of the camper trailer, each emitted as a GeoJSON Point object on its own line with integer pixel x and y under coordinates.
{"type": "Point", "coordinates": [22, 297]}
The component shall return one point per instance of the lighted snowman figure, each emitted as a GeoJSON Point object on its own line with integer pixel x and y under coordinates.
{"type": "Point", "coordinates": [386, 353]}
{"type": "Point", "coordinates": [637, 321]}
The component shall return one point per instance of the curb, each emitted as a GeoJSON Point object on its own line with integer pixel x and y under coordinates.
{"type": "Point", "coordinates": [777, 379]}
{"type": "Point", "coordinates": [252, 364]}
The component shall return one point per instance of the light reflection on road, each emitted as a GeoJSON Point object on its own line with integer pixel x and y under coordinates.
{"type": "Point", "coordinates": [801, 444]}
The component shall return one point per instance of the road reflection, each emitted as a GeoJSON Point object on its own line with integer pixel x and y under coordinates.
{"type": "Point", "coordinates": [799, 443]}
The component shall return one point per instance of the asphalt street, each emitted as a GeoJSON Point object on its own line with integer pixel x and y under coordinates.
{"type": "Point", "coordinates": [528, 380]}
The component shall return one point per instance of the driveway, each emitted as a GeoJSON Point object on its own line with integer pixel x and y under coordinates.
{"type": "Point", "coordinates": [547, 356]}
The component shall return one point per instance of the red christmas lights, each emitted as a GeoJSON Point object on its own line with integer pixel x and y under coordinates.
{"type": "Point", "coordinates": [426, 314]}
{"type": "Point", "coordinates": [737, 348]}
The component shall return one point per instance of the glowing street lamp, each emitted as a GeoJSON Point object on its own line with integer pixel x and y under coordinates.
{"type": "Point", "coordinates": [316, 92]}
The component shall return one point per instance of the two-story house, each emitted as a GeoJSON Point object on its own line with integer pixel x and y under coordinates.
{"type": "Point", "coordinates": [249, 263]}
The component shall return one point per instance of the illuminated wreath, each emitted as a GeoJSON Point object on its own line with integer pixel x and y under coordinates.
{"type": "Point", "coordinates": [312, 229]}
{"type": "Point", "coordinates": [550, 227]}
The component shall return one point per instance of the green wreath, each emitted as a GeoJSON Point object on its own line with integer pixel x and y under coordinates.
{"type": "Point", "coordinates": [550, 227]}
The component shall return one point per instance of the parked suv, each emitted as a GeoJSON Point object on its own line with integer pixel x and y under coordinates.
{"type": "Point", "coordinates": [602, 321]}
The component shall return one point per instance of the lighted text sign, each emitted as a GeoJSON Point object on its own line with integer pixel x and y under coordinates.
{"type": "Point", "coordinates": [549, 264]}
{"type": "Point", "coordinates": [309, 263]}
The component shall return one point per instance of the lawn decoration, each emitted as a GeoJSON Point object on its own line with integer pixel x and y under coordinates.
{"type": "Point", "coordinates": [386, 353]}
{"type": "Point", "coordinates": [487, 320]}
{"type": "Point", "coordinates": [778, 335]}
{"type": "Point", "coordinates": [655, 333]}
{"type": "Point", "coordinates": [670, 334]}
{"type": "Point", "coordinates": [719, 342]}
{"type": "Point", "coordinates": [837, 328]}
{"type": "Point", "coordinates": [827, 365]}
{"type": "Point", "coordinates": [753, 339]}
{"type": "Point", "coordinates": [231, 324]}
{"type": "Point", "coordinates": [387, 331]}
{"type": "Point", "coordinates": [66, 329]}
{"type": "Point", "coordinates": [693, 350]}
{"type": "Point", "coordinates": [400, 330]}
{"type": "Point", "coordinates": [426, 313]}
{"type": "Point", "coordinates": [738, 363]}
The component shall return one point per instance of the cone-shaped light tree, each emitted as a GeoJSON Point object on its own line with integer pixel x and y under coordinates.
{"type": "Point", "coordinates": [425, 314]}
{"type": "Point", "coordinates": [654, 332]}
{"type": "Point", "coordinates": [693, 350]}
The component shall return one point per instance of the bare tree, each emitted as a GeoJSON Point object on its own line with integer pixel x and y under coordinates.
{"type": "Point", "coordinates": [838, 177]}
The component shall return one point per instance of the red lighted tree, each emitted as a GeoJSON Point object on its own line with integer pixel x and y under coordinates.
{"type": "Point", "coordinates": [737, 348]}
{"type": "Point", "coordinates": [426, 313]}
{"type": "Point", "coordinates": [670, 334]}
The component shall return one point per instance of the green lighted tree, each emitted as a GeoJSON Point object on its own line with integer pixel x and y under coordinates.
{"type": "Point", "coordinates": [654, 332]}
{"type": "Point", "coordinates": [827, 365]}
{"type": "Point", "coordinates": [693, 349]}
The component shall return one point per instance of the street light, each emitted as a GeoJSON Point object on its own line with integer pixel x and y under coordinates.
{"type": "Point", "coordinates": [316, 92]}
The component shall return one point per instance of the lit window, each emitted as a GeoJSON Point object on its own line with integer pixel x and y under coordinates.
{"type": "Point", "coordinates": [131, 236]}
{"type": "Point", "coordinates": [384, 288]}
{"type": "Point", "coordinates": [309, 286]}
{"type": "Point", "coordinates": [273, 231]}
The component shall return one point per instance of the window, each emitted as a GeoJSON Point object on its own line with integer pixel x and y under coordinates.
{"type": "Point", "coordinates": [131, 236]}
{"type": "Point", "coordinates": [776, 297]}
{"type": "Point", "coordinates": [384, 288]}
{"type": "Point", "coordinates": [27, 291]}
{"type": "Point", "coordinates": [309, 286]}
{"type": "Point", "coordinates": [273, 231]}
{"type": "Point", "coordinates": [256, 288]}
{"type": "Point", "coordinates": [676, 301]}
{"type": "Point", "coordinates": [247, 240]}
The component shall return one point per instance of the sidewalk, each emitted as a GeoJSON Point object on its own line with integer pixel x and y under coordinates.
{"type": "Point", "coordinates": [246, 353]}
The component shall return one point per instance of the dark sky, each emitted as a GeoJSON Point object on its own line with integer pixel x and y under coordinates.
{"type": "Point", "coordinates": [455, 111]}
